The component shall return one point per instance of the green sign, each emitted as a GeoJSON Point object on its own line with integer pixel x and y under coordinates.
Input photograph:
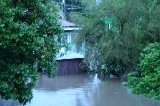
{"type": "Point", "coordinates": [107, 20]}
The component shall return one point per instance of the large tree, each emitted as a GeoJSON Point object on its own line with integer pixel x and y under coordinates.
{"type": "Point", "coordinates": [145, 80]}
{"type": "Point", "coordinates": [28, 29]}
{"type": "Point", "coordinates": [135, 24]}
{"type": "Point", "coordinates": [114, 49]}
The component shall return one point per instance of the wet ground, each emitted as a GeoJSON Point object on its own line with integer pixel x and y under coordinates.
{"type": "Point", "coordinates": [83, 90]}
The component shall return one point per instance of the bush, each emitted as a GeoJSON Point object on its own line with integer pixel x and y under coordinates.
{"type": "Point", "coordinates": [146, 80]}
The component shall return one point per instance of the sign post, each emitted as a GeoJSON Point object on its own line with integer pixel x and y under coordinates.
{"type": "Point", "coordinates": [107, 21]}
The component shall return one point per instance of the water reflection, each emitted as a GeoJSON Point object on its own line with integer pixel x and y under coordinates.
{"type": "Point", "coordinates": [84, 90]}
{"type": "Point", "coordinates": [61, 82]}
{"type": "Point", "coordinates": [8, 102]}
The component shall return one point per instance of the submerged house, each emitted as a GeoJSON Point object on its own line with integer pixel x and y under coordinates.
{"type": "Point", "coordinates": [69, 61]}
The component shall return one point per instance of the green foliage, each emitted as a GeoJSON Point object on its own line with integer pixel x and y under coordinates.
{"type": "Point", "coordinates": [17, 83]}
{"type": "Point", "coordinates": [134, 25]}
{"type": "Point", "coordinates": [27, 29]}
{"type": "Point", "coordinates": [114, 69]}
{"type": "Point", "coordinates": [117, 46]}
{"type": "Point", "coordinates": [146, 80]}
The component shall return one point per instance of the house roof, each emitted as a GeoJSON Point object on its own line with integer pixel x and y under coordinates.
{"type": "Point", "coordinates": [66, 23]}
{"type": "Point", "coordinates": [68, 26]}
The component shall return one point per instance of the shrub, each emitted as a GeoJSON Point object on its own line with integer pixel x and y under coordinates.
{"type": "Point", "coordinates": [146, 80]}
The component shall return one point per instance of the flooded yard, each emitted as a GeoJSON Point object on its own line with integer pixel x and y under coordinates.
{"type": "Point", "coordinates": [83, 90]}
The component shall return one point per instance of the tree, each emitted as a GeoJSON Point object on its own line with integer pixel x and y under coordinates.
{"type": "Point", "coordinates": [115, 47]}
{"type": "Point", "coordinates": [146, 79]}
{"type": "Point", "coordinates": [27, 29]}
{"type": "Point", "coordinates": [149, 27]}
{"type": "Point", "coordinates": [117, 50]}
{"type": "Point", "coordinates": [135, 24]}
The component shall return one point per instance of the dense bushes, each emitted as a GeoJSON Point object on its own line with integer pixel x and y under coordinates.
{"type": "Point", "coordinates": [146, 80]}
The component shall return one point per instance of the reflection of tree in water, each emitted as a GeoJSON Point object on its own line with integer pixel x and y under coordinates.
{"type": "Point", "coordinates": [61, 82]}
{"type": "Point", "coordinates": [82, 100]}
{"type": "Point", "coordinates": [109, 92]}
{"type": "Point", "coordinates": [89, 91]}
{"type": "Point", "coordinates": [83, 90]}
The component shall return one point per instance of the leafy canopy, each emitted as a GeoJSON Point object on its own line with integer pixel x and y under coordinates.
{"type": "Point", "coordinates": [135, 24]}
{"type": "Point", "coordinates": [115, 47]}
{"type": "Point", "coordinates": [28, 29]}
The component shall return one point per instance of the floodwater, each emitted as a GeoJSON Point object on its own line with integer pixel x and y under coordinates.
{"type": "Point", "coordinates": [84, 90]}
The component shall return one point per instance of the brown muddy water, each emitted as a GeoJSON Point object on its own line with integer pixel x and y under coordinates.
{"type": "Point", "coordinates": [82, 90]}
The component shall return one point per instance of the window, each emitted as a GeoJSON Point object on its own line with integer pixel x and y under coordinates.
{"type": "Point", "coordinates": [64, 38]}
